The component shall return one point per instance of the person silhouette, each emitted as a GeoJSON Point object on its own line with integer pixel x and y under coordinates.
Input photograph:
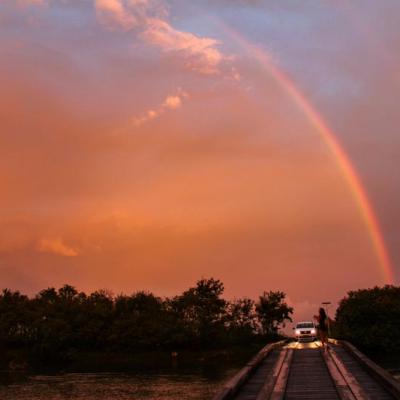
{"type": "Point", "coordinates": [322, 320]}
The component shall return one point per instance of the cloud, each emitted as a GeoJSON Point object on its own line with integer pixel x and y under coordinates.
{"type": "Point", "coordinates": [200, 53]}
{"type": "Point", "coordinates": [171, 102]}
{"type": "Point", "coordinates": [128, 14]}
{"type": "Point", "coordinates": [114, 12]}
{"type": "Point", "coordinates": [56, 246]}
{"type": "Point", "coordinates": [149, 19]}
{"type": "Point", "coordinates": [32, 2]}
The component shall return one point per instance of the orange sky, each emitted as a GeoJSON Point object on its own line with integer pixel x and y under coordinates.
{"type": "Point", "coordinates": [141, 148]}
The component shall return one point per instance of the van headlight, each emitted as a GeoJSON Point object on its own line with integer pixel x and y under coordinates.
{"type": "Point", "coordinates": [297, 331]}
{"type": "Point", "coordinates": [313, 331]}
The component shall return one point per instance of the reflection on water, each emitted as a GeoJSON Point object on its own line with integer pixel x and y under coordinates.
{"type": "Point", "coordinates": [110, 386]}
{"type": "Point", "coordinates": [199, 385]}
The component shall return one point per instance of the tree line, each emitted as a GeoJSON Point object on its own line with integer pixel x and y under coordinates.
{"type": "Point", "coordinates": [54, 321]}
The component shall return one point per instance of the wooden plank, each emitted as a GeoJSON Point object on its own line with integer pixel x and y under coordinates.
{"type": "Point", "coordinates": [380, 374]}
{"type": "Point", "coordinates": [280, 386]}
{"type": "Point", "coordinates": [270, 381]}
{"type": "Point", "coordinates": [236, 382]}
{"type": "Point", "coordinates": [346, 385]}
{"type": "Point", "coordinates": [384, 377]}
{"type": "Point", "coordinates": [314, 375]}
{"type": "Point", "coordinates": [309, 377]}
{"type": "Point", "coordinates": [367, 381]}
{"type": "Point", "coordinates": [254, 384]}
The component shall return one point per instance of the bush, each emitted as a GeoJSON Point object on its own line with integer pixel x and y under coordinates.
{"type": "Point", "coordinates": [370, 318]}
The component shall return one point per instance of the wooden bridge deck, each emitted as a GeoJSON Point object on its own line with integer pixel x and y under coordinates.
{"type": "Point", "coordinates": [305, 371]}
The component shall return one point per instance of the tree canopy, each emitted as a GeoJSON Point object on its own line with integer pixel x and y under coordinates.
{"type": "Point", "coordinates": [370, 318]}
{"type": "Point", "coordinates": [55, 322]}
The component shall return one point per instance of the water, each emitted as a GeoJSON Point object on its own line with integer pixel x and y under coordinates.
{"type": "Point", "coordinates": [106, 386]}
{"type": "Point", "coordinates": [197, 380]}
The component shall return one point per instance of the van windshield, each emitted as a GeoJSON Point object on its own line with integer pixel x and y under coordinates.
{"type": "Point", "coordinates": [305, 325]}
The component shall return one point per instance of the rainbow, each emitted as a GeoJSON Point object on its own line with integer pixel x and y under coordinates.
{"type": "Point", "coordinates": [328, 136]}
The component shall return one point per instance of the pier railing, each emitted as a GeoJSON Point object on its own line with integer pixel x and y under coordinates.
{"type": "Point", "coordinates": [233, 385]}
{"type": "Point", "coordinates": [380, 374]}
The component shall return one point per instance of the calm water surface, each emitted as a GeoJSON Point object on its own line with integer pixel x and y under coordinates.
{"type": "Point", "coordinates": [111, 386]}
{"type": "Point", "coordinates": [168, 384]}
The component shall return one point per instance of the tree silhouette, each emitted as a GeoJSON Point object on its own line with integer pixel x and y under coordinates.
{"type": "Point", "coordinates": [370, 318]}
{"type": "Point", "coordinates": [272, 311]}
{"type": "Point", "coordinates": [202, 310]}
{"type": "Point", "coordinates": [241, 319]}
{"type": "Point", "coordinates": [56, 324]}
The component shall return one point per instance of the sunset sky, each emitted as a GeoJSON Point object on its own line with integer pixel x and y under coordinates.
{"type": "Point", "coordinates": [145, 144]}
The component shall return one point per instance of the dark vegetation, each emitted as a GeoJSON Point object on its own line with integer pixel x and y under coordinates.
{"type": "Point", "coordinates": [370, 319]}
{"type": "Point", "coordinates": [56, 325]}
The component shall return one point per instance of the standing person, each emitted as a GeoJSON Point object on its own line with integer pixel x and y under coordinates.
{"type": "Point", "coordinates": [322, 327]}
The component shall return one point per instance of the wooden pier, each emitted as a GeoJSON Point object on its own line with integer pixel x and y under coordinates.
{"type": "Point", "coordinates": [301, 371]}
